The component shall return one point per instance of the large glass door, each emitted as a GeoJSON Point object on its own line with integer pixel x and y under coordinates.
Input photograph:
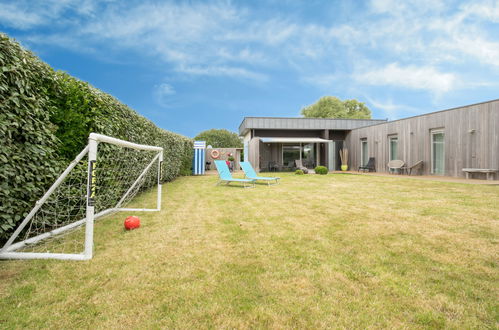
{"type": "Point", "coordinates": [290, 153]}
{"type": "Point", "coordinates": [437, 153]}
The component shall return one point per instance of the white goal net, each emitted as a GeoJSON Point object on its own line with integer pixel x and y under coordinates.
{"type": "Point", "coordinates": [106, 177]}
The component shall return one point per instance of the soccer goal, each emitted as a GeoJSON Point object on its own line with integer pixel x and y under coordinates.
{"type": "Point", "coordinates": [109, 175]}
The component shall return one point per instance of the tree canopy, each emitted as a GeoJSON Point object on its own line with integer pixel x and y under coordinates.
{"type": "Point", "coordinates": [333, 107]}
{"type": "Point", "coordinates": [220, 138]}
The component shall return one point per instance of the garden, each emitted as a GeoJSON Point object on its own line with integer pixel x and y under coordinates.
{"type": "Point", "coordinates": [315, 251]}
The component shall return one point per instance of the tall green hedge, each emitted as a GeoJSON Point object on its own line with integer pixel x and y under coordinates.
{"type": "Point", "coordinates": [45, 119]}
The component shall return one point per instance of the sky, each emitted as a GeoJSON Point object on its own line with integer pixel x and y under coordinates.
{"type": "Point", "coordinates": [194, 65]}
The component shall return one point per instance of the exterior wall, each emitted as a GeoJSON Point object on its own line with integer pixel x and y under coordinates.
{"type": "Point", "coordinates": [288, 133]}
{"type": "Point", "coordinates": [224, 154]}
{"type": "Point", "coordinates": [471, 139]}
{"type": "Point", "coordinates": [254, 153]}
{"type": "Point", "coordinates": [274, 123]}
{"type": "Point", "coordinates": [337, 135]}
{"type": "Point", "coordinates": [246, 140]}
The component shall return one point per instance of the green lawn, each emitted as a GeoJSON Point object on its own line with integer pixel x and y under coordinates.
{"type": "Point", "coordinates": [340, 250]}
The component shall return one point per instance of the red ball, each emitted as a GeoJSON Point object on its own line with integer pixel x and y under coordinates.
{"type": "Point", "coordinates": [132, 222]}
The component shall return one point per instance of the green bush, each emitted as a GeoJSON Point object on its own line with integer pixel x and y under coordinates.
{"type": "Point", "coordinates": [321, 170]}
{"type": "Point", "coordinates": [45, 120]}
{"type": "Point", "coordinates": [299, 172]}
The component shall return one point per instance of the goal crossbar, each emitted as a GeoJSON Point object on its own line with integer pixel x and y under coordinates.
{"type": "Point", "coordinates": [9, 250]}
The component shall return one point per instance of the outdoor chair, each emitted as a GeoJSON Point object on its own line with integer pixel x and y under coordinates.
{"type": "Point", "coordinates": [290, 166]}
{"type": "Point", "coordinates": [225, 175]}
{"type": "Point", "coordinates": [396, 165]}
{"type": "Point", "coordinates": [299, 165]}
{"type": "Point", "coordinates": [274, 166]}
{"type": "Point", "coordinates": [370, 167]}
{"type": "Point", "coordinates": [250, 173]}
{"type": "Point", "coordinates": [418, 166]}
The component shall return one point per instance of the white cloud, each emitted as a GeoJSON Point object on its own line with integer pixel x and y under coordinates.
{"type": "Point", "coordinates": [231, 40]}
{"type": "Point", "coordinates": [25, 14]}
{"type": "Point", "coordinates": [323, 81]}
{"type": "Point", "coordinates": [222, 71]}
{"type": "Point", "coordinates": [18, 17]}
{"type": "Point", "coordinates": [391, 109]}
{"type": "Point", "coordinates": [488, 10]}
{"type": "Point", "coordinates": [162, 93]}
{"type": "Point", "coordinates": [413, 77]}
{"type": "Point", "coordinates": [165, 89]}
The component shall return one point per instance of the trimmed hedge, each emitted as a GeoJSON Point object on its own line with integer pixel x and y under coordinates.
{"type": "Point", "coordinates": [321, 170]}
{"type": "Point", "coordinates": [45, 121]}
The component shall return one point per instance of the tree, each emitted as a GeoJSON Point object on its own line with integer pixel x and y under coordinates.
{"type": "Point", "coordinates": [356, 109]}
{"type": "Point", "coordinates": [333, 107]}
{"type": "Point", "coordinates": [220, 138]}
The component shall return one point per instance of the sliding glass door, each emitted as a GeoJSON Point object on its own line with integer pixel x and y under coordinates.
{"type": "Point", "coordinates": [290, 153]}
{"type": "Point", "coordinates": [437, 152]}
{"type": "Point", "coordinates": [306, 152]}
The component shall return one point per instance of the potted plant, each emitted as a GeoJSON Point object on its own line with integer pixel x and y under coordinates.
{"type": "Point", "coordinates": [230, 159]}
{"type": "Point", "coordinates": [344, 159]}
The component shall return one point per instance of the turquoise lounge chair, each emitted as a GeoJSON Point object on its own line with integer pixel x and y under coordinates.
{"type": "Point", "coordinates": [225, 176]}
{"type": "Point", "coordinates": [251, 174]}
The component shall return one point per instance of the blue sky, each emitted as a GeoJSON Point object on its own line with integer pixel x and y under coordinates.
{"type": "Point", "coordinates": [194, 65]}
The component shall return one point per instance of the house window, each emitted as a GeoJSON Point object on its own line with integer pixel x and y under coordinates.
{"type": "Point", "coordinates": [364, 152]}
{"type": "Point", "coordinates": [437, 152]}
{"type": "Point", "coordinates": [290, 153]}
{"type": "Point", "coordinates": [393, 147]}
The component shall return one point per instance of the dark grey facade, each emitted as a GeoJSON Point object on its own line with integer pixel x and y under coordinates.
{"type": "Point", "coordinates": [302, 124]}
{"type": "Point", "coordinates": [445, 141]}
{"type": "Point", "coordinates": [318, 140]}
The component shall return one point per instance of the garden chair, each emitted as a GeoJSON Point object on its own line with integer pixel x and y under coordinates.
{"type": "Point", "coordinates": [418, 166]}
{"type": "Point", "coordinates": [369, 166]}
{"type": "Point", "coordinates": [250, 173]}
{"type": "Point", "coordinates": [225, 175]}
{"type": "Point", "coordinates": [299, 165]}
{"type": "Point", "coordinates": [396, 165]}
{"type": "Point", "coordinates": [274, 166]}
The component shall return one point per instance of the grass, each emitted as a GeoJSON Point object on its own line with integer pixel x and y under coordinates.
{"type": "Point", "coordinates": [315, 251]}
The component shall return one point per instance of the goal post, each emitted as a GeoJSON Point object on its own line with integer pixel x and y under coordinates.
{"type": "Point", "coordinates": [105, 177]}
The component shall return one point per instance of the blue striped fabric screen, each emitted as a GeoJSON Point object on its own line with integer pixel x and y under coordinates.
{"type": "Point", "coordinates": [199, 158]}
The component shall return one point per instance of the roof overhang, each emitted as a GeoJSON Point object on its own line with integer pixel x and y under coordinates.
{"type": "Point", "coordinates": [293, 140]}
{"type": "Point", "coordinates": [301, 123]}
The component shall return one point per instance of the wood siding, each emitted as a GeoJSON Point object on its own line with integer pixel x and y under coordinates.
{"type": "Point", "coordinates": [254, 153]}
{"type": "Point", "coordinates": [471, 139]}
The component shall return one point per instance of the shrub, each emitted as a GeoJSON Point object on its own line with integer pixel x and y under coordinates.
{"type": "Point", "coordinates": [299, 172]}
{"type": "Point", "coordinates": [321, 170]}
{"type": "Point", "coordinates": [45, 121]}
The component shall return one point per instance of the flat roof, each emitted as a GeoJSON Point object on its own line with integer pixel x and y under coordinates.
{"type": "Point", "coordinates": [301, 123]}
{"type": "Point", "coordinates": [291, 140]}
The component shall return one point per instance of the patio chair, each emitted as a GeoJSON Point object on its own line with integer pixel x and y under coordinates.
{"type": "Point", "coordinates": [250, 173]}
{"type": "Point", "coordinates": [225, 175]}
{"type": "Point", "coordinates": [396, 165]}
{"type": "Point", "coordinates": [418, 166]}
{"type": "Point", "coordinates": [274, 166]}
{"type": "Point", "coordinates": [299, 165]}
{"type": "Point", "coordinates": [369, 166]}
